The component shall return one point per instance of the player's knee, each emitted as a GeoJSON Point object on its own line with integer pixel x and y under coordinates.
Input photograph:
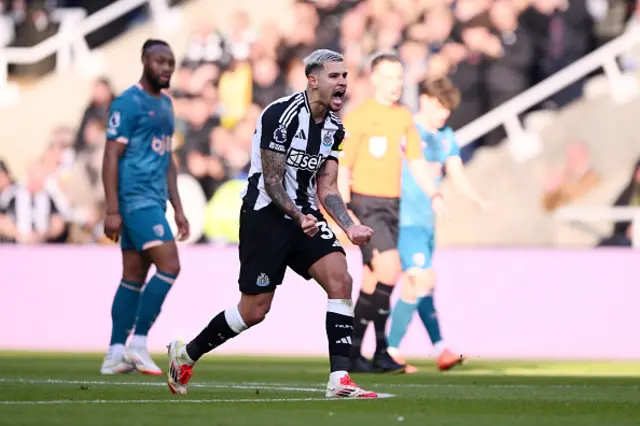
{"type": "Point", "coordinates": [172, 267]}
{"type": "Point", "coordinates": [136, 273]}
{"type": "Point", "coordinates": [408, 291]}
{"type": "Point", "coordinates": [387, 267]}
{"type": "Point", "coordinates": [425, 282]}
{"type": "Point", "coordinates": [340, 285]}
{"type": "Point", "coordinates": [254, 310]}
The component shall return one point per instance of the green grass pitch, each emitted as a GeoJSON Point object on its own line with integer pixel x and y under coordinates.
{"type": "Point", "coordinates": [67, 390]}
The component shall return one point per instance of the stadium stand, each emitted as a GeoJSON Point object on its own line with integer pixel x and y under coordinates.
{"type": "Point", "coordinates": [236, 57]}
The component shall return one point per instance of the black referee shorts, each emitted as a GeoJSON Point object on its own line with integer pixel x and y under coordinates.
{"type": "Point", "coordinates": [383, 216]}
{"type": "Point", "coordinates": [269, 242]}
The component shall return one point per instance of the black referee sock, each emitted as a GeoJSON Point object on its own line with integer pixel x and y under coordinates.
{"type": "Point", "coordinates": [382, 305]}
{"type": "Point", "coordinates": [363, 313]}
{"type": "Point", "coordinates": [224, 326]}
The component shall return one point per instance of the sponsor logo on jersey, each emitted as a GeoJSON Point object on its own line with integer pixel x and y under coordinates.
{"type": "Point", "coordinates": [301, 160]}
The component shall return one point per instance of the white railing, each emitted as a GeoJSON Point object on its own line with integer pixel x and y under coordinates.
{"type": "Point", "coordinates": [69, 42]}
{"type": "Point", "coordinates": [525, 146]}
{"type": "Point", "coordinates": [603, 214]}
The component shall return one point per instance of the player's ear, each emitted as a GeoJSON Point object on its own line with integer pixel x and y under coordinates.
{"type": "Point", "coordinates": [313, 81]}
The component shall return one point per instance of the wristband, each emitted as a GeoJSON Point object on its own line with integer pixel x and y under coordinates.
{"type": "Point", "coordinates": [436, 195]}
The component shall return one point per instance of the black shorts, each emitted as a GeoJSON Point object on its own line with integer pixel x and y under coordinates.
{"type": "Point", "coordinates": [269, 242]}
{"type": "Point", "coordinates": [383, 216]}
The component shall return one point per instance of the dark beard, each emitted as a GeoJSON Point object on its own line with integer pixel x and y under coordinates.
{"type": "Point", "coordinates": [153, 83]}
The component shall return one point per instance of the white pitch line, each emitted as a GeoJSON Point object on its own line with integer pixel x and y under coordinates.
{"type": "Point", "coordinates": [306, 387]}
{"type": "Point", "coordinates": [281, 387]}
{"type": "Point", "coordinates": [172, 401]}
{"type": "Point", "coordinates": [266, 386]}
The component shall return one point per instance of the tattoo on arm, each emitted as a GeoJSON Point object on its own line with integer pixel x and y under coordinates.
{"type": "Point", "coordinates": [327, 179]}
{"type": "Point", "coordinates": [336, 208]}
{"type": "Point", "coordinates": [273, 167]}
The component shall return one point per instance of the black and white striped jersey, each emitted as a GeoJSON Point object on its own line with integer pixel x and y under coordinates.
{"type": "Point", "coordinates": [286, 126]}
{"type": "Point", "coordinates": [32, 212]}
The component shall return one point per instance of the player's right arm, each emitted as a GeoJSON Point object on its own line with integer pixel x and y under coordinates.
{"type": "Point", "coordinates": [274, 144]}
{"type": "Point", "coordinates": [119, 131]}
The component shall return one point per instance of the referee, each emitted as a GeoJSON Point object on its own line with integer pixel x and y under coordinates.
{"type": "Point", "coordinates": [378, 132]}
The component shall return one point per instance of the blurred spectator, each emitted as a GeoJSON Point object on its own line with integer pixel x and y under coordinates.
{"type": "Point", "coordinates": [7, 23]}
{"type": "Point", "coordinates": [207, 46]}
{"type": "Point", "coordinates": [36, 26]}
{"type": "Point", "coordinates": [507, 73]}
{"type": "Point", "coordinates": [98, 108]}
{"type": "Point", "coordinates": [34, 211]}
{"type": "Point", "coordinates": [235, 90]}
{"type": "Point", "coordinates": [491, 49]}
{"type": "Point", "coordinates": [563, 32]}
{"type": "Point", "coordinates": [295, 79]}
{"type": "Point", "coordinates": [630, 196]}
{"type": "Point", "coordinates": [5, 186]}
{"type": "Point", "coordinates": [574, 180]}
{"type": "Point", "coordinates": [82, 185]}
{"type": "Point", "coordinates": [267, 84]}
{"type": "Point", "coordinates": [198, 157]}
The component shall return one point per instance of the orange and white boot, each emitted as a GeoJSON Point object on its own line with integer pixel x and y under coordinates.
{"type": "Point", "coordinates": [449, 359]}
{"type": "Point", "coordinates": [180, 368]}
{"type": "Point", "coordinates": [397, 357]}
{"type": "Point", "coordinates": [341, 386]}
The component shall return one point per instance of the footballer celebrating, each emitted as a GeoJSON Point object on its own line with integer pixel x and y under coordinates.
{"type": "Point", "coordinates": [294, 161]}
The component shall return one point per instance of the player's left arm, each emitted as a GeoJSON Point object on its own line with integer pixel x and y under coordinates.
{"type": "Point", "coordinates": [328, 184]}
{"type": "Point", "coordinates": [455, 171]}
{"type": "Point", "coordinates": [329, 194]}
{"type": "Point", "coordinates": [172, 187]}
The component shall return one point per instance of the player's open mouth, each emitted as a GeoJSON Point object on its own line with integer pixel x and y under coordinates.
{"type": "Point", "coordinates": [338, 98]}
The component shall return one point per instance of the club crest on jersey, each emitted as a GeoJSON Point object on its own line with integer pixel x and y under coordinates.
{"type": "Point", "coordinates": [327, 139]}
{"type": "Point", "coordinates": [280, 134]}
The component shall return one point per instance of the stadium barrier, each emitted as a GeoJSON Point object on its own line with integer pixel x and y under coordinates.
{"type": "Point", "coordinates": [500, 304]}
{"type": "Point", "coordinates": [603, 214]}
{"type": "Point", "coordinates": [525, 145]}
{"type": "Point", "coordinates": [69, 42]}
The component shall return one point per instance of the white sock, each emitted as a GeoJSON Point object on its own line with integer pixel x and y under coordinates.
{"type": "Point", "coordinates": [393, 351]}
{"type": "Point", "coordinates": [117, 350]}
{"type": "Point", "coordinates": [183, 356]}
{"type": "Point", "coordinates": [335, 376]}
{"type": "Point", "coordinates": [139, 342]}
{"type": "Point", "coordinates": [234, 320]}
{"type": "Point", "coordinates": [440, 347]}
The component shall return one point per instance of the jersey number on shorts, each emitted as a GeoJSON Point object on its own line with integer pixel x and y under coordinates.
{"type": "Point", "coordinates": [325, 232]}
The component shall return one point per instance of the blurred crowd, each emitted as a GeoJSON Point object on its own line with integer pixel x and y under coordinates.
{"type": "Point", "coordinates": [491, 49]}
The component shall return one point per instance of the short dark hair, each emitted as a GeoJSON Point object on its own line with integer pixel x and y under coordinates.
{"type": "Point", "coordinates": [381, 57]}
{"type": "Point", "coordinates": [153, 42]}
{"type": "Point", "coordinates": [317, 59]}
{"type": "Point", "coordinates": [443, 90]}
